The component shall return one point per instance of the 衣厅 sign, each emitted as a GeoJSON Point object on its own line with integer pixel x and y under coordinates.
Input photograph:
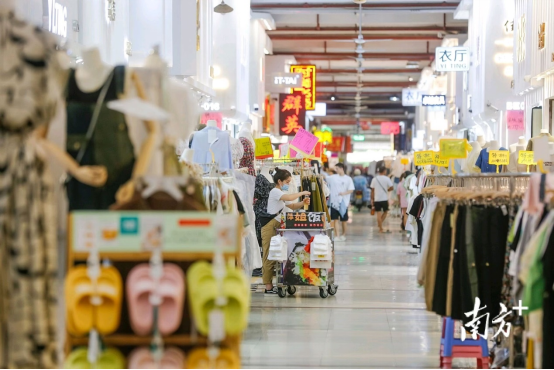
{"type": "Point", "coordinates": [411, 98]}
{"type": "Point", "coordinates": [452, 59]}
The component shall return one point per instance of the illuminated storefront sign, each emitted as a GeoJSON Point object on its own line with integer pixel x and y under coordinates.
{"type": "Point", "coordinates": [292, 115]}
{"type": "Point", "coordinates": [287, 80]}
{"type": "Point", "coordinates": [57, 18]}
{"type": "Point", "coordinates": [411, 97]}
{"type": "Point", "coordinates": [308, 84]}
{"type": "Point", "coordinates": [452, 59]}
{"type": "Point", "coordinates": [433, 100]}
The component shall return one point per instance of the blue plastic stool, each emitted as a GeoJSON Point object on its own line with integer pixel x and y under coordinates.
{"type": "Point", "coordinates": [448, 344]}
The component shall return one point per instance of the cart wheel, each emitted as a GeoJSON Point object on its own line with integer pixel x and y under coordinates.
{"type": "Point", "coordinates": [323, 293]}
{"type": "Point", "coordinates": [332, 289]}
{"type": "Point", "coordinates": [291, 289]}
{"type": "Point", "coordinates": [282, 293]}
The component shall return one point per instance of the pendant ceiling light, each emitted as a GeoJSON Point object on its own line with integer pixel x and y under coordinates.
{"type": "Point", "coordinates": [223, 8]}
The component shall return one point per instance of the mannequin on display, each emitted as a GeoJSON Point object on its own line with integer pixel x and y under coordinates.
{"type": "Point", "coordinates": [481, 140]}
{"type": "Point", "coordinates": [469, 165]}
{"type": "Point", "coordinates": [212, 145]}
{"type": "Point", "coordinates": [247, 141]}
{"type": "Point", "coordinates": [544, 132]}
{"type": "Point", "coordinates": [513, 166]}
{"type": "Point", "coordinates": [520, 142]}
{"type": "Point", "coordinates": [97, 135]}
{"type": "Point", "coordinates": [483, 159]}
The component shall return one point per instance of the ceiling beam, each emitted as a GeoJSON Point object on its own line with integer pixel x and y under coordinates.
{"type": "Point", "coordinates": [355, 29]}
{"type": "Point", "coordinates": [371, 71]}
{"type": "Point", "coordinates": [446, 6]}
{"type": "Point", "coordinates": [335, 37]}
{"type": "Point", "coordinates": [365, 84]}
{"type": "Point", "coordinates": [353, 93]}
{"type": "Point", "coordinates": [353, 55]}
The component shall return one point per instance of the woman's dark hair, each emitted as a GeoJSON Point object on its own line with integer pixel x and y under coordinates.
{"type": "Point", "coordinates": [281, 175]}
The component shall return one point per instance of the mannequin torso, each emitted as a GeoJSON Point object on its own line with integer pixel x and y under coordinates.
{"type": "Point", "coordinates": [93, 73]}
{"type": "Point", "coordinates": [493, 145]}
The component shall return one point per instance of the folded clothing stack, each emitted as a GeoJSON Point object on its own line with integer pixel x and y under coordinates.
{"type": "Point", "coordinates": [278, 249]}
{"type": "Point", "coordinates": [321, 252]}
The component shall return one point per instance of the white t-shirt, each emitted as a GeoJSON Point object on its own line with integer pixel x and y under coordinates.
{"type": "Point", "coordinates": [381, 185]}
{"type": "Point", "coordinates": [339, 184]}
{"type": "Point", "coordinates": [275, 204]}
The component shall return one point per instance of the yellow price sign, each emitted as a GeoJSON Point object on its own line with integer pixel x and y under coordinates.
{"type": "Point", "coordinates": [526, 157]}
{"type": "Point", "coordinates": [453, 148]}
{"type": "Point", "coordinates": [498, 158]}
{"type": "Point", "coordinates": [424, 158]}
{"type": "Point", "coordinates": [439, 161]}
{"type": "Point", "coordinates": [264, 149]}
{"type": "Point", "coordinates": [404, 161]}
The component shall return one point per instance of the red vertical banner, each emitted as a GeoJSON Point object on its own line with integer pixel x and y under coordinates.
{"type": "Point", "coordinates": [348, 147]}
{"type": "Point", "coordinates": [390, 128]}
{"type": "Point", "coordinates": [318, 150]}
{"type": "Point", "coordinates": [292, 113]}
{"type": "Point", "coordinates": [308, 84]}
{"type": "Point", "coordinates": [337, 145]}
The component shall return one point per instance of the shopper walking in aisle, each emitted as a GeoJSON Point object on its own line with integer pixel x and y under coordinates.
{"type": "Point", "coordinates": [341, 187]}
{"type": "Point", "coordinates": [402, 199]}
{"type": "Point", "coordinates": [361, 188]}
{"type": "Point", "coordinates": [278, 203]}
{"type": "Point", "coordinates": [381, 185]}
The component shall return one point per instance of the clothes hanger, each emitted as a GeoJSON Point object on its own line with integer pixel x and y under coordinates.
{"type": "Point", "coordinates": [169, 185]}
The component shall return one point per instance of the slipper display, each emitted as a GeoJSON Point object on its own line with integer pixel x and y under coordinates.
{"type": "Point", "coordinates": [199, 359]}
{"type": "Point", "coordinates": [237, 292]}
{"type": "Point", "coordinates": [142, 358]}
{"type": "Point", "coordinates": [111, 358]}
{"type": "Point", "coordinates": [82, 315]}
{"type": "Point", "coordinates": [140, 286]}
{"type": "Point", "coordinates": [202, 293]}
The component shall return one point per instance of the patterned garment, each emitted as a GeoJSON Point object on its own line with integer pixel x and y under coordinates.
{"type": "Point", "coordinates": [261, 194]}
{"type": "Point", "coordinates": [28, 253]}
{"type": "Point", "coordinates": [247, 160]}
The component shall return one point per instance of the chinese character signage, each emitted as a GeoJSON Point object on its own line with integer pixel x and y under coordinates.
{"type": "Point", "coordinates": [424, 158]}
{"type": "Point", "coordinates": [292, 113]}
{"type": "Point", "coordinates": [308, 84]}
{"type": "Point", "coordinates": [264, 149]}
{"type": "Point", "coordinates": [453, 148]}
{"type": "Point", "coordinates": [411, 97]}
{"type": "Point", "coordinates": [390, 128]}
{"type": "Point", "coordinates": [305, 220]}
{"type": "Point", "coordinates": [526, 157]}
{"type": "Point", "coordinates": [337, 145]}
{"type": "Point", "coordinates": [433, 100]}
{"type": "Point", "coordinates": [499, 157]}
{"type": "Point", "coordinates": [304, 142]}
{"type": "Point", "coordinates": [452, 59]}
{"type": "Point", "coordinates": [440, 162]}
{"type": "Point", "coordinates": [516, 120]}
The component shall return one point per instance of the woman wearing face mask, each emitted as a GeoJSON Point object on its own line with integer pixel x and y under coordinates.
{"type": "Point", "coordinates": [278, 203]}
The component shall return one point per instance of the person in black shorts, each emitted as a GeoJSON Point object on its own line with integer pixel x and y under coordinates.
{"type": "Point", "coordinates": [381, 185]}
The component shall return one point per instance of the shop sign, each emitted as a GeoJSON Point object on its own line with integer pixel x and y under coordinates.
{"type": "Point", "coordinates": [292, 115]}
{"type": "Point", "coordinates": [424, 158]}
{"type": "Point", "coordinates": [453, 148]}
{"type": "Point", "coordinates": [264, 148]}
{"type": "Point", "coordinates": [515, 105]}
{"type": "Point", "coordinates": [308, 84]}
{"type": "Point", "coordinates": [305, 220]}
{"type": "Point", "coordinates": [388, 128]}
{"type": "Point", "coordinates": [358, 137]}
{"type": "Point", "coordinates": [211, 106]}
{"type": "Point", "coordinates": [433, 100]}
{"type": "Point", "coordinates": [411, 97]}
{"type": "Point", "coordinates": [216, 116]}
{"type": "Point", "coordinates": [318, 152]}
{"type": "Point", "coordinates": [526, 157]}
{"type": "Point", "coordinates": [336, 145]}
{"type": "Point", "coordinates": [439, 161]}
{"type": "Point", "coordinates": [452, 59]}
{"type": "Point", "coordinates": [516, 120]}
{"type": "Point", "coordinates": [57, 18]}
{"type": "Point", "coordinates": [542, 36]}
{"type": "Point", "coordinates": [287, 80]}
{"type": "Point", "coordinates": [499, 157]}
{"type": "Point", "coordinates": [304, 142]}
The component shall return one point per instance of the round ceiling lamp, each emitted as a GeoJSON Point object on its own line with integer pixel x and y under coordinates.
{"type": "Point", "coordinates": [223, 8]}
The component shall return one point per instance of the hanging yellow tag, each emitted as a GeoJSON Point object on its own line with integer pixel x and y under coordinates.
{"type": "Point", "coordinates": [499, 157]}
{"type": "Point", "coordinates": [526, 157]}
{"type": "Point", "coordinates": [440, 162]}
{"type": "Point", "coordinates": [424, 158]}
{"type": "Point", "coordinates": [453, 148]}
{"type": "Point", "coordinates": [264, 149]}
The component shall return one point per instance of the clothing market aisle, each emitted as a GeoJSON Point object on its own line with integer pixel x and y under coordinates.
{"type": "Point", "coordinates": [377, 318]}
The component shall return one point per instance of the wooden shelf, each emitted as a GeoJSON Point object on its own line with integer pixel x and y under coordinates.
{"type": "Point", "coordinates": [134, 340]}
{"type": "Point", "coordinates": [145, 256]}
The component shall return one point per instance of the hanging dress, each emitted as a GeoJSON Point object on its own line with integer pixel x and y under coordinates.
{"type": "Point", "coordinates": [110, 145]}
{"type": "Point", "coordinates": [28, 253]}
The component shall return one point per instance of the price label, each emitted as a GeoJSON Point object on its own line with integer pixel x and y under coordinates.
{"type": "Point", "coordinates": [439, 161]}
{"type": "Point", "coordinates": [404, 161]}
{"type": "Point", "coordinates": [304, 142]}
{"type": "Point", "coordinates": [526, 157]}
{"type": "Point", "coordinates": [516, 120]}
{"type": "Point", "coordinates": [424, 158]}
{"type": "Point", "coordinates": [453, 148]}
{"type": "Point", "coordinates": [264, 149]}
{"type": "Point", "coordinates": [499, 157]}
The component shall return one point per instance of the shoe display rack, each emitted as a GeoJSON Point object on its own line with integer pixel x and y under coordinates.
{"type": "Point", "coordinates": [126, 246]}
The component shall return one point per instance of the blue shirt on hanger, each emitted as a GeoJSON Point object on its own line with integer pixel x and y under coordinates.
{"type": "Point", "coordinates": [220, 148]}
{"type": "Point", "coordinates": [483, 162]}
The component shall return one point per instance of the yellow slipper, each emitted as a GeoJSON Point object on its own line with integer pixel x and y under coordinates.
{"type": "Point", "coordinates": [202, 293]}
{"type": "Point", "coordinates": [237, 292]}
{"type": "Point", "coordinates": [111, 358]}
{"type": "Point", "coordinates": [199, 359]}
{"type": "Point", "coordinates": [110, 288]}
{"type": "Point", "coordinates": [80, 312]}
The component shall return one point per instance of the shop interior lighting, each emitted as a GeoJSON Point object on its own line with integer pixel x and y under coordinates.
{"type": "Point", "coordinates": [223, 8]}
{"type": "Point", "coordinates": [267, 25]}
{"type": "Point", "coordinates": [333, 97]}
{"type": "Point", "coordinates": [410, 79]}
{"type": "Point", "coordinates": [394, 98]}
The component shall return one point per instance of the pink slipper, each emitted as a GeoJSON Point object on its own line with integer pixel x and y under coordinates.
{"type": "Point", "coordinates": [172, 290]}
{"type": "Point", "coordinates": [139, 287]}
{"type": "Point", "coordinates": [141, 358]}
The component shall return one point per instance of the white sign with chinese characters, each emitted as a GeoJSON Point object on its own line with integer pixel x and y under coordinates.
{"type": "Point", "coordinates": [452, 59]}
{"type": "Point", "coordinates": [411, 97]}
{"type": "Point", "coordinates": [433, 100]}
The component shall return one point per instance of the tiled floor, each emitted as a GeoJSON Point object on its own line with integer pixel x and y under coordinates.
{"type": "Point", "coordinates": [376, 320]}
